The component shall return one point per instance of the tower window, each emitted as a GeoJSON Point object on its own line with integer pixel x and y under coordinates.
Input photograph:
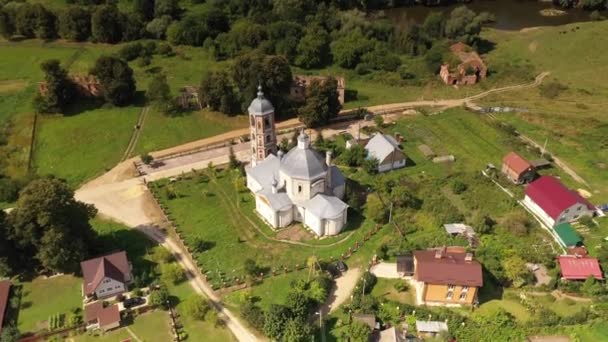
{"type": "Point", "coordinates": [252, 121]}
{"type": "Point", "coordinates": [268, 139]}
{"type": "Point", "coordinates": [266, 123]}
{"type": "Point", "coordinates": [299, 189]}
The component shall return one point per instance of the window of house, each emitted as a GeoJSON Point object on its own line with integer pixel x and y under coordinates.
{"type": "Point", "coordinates": [450, 287]}
{"type": "Point", "coordinates": [450, 295]}
{"type": "Point", "coordinates": [579, 208]}
{"type": "Point", "coordinates": [267, 123]}
{"type": "Point", "coordinates": [299, 189]}
{"type": "Point", "coordinates": [465, 288]}
{"type": "Point", "coordinates": [102, 291]}
{"type": "Point", "coordinates": [567, 210]}
{"type": "Point", "coordinates": [463, 296]}
{"type": "Point", "coordinates": [576, 216]}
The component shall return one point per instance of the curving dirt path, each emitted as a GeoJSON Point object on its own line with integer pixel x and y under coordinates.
{"type": "Point", "coordinates": [341, 291]}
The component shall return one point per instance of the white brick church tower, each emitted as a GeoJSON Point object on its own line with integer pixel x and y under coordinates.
{"type": "Point", "coordinates": [261, 123]}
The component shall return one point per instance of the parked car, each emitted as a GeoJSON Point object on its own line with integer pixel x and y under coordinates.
{"type": "Point", "coordinates": [135, 301]}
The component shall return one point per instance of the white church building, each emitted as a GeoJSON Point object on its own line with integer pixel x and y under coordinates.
{"type": "Point", "coordinates": [298, 186]}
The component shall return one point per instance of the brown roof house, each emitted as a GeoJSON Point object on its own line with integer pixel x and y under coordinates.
{"type": "Point", "coordinates": [471, 69]}
{"type": "Point", "coordinates": [96, 316]}
{"type": "Point", "coordinates": [447, 276]}
{"type": "Point", "coordinates": [106, 276]}
{"type": "Point", "coordinates": [302, 82]}
{"type": "Point", "coordinates": [517, 169]}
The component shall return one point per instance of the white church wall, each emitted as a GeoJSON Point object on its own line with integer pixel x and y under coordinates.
{"type": "Point", "coordinates": [266, 212]}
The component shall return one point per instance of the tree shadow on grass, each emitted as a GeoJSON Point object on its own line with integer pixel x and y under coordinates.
{"type": "Point", "coordinates": [485, 46]}
{"type": "Point", "coordinates": [491, 288]}
{"type": "Point", "coordinates": [135, 243]}
{"type": "Point", "coordinates": [82, 105]}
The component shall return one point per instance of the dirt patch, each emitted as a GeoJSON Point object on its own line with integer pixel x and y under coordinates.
{"type": "Point", "coordinates": [294, 233]}
{"type": "Point", "coordinates": [584, 193]}
{"type": "Point", "coordinates": [12, 86]}
{"type": "Point", "coordinates": [532, 46]}
{"type": "Point", "coordinates": [529, 29]}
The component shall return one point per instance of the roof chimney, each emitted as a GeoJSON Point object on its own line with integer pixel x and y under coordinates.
{"type": "Point", "coordinates": [328, 158]}
{"type": "Point", "coordinates": [274, 185]}
{"type": "Point", "coordinates": [468, 257]}
{"type": "Point", "coordinates": [439, 253]}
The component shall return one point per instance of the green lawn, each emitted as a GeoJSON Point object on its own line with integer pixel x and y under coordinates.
{"type": "Point", "coordinates": [82, 146]}
{"type": "Point", "coordinates": [37, 303]}
{"type": "Point", "coordinates": [385, 288]}
{"type": "Point", "coordinates": [149, 327]}
{"type": "Point", "coordinates": [161, 131]}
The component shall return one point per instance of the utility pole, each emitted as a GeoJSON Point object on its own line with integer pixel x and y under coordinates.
{"type": "Point", "coordinates": [544, 148]}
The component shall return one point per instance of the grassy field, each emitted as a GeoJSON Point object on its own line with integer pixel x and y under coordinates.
{"type": "Point", "coordinates": [385, 289]}
{"type": "Point", "coordinates": [81, 146]}
{"type": "Point", "coordinates": [573, 122]}
{"type": "Point", "coordinates": [161, 131]}
{"type": "Point", "coordinates": [150, 327]}
{"type": "Point", "coordinates": [37, 305]}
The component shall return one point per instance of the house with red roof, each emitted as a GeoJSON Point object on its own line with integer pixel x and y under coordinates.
{"type": "Point", "coordinates": [553, 203]}
{"type": "Point", "coordinates": [517, 169]}
{"type": "Point", "coordinates": [5, 289]}
{"type": "Point", "coordinates": [98, 316]}
{"type": "Point", "coordinates": [576, 267]}
{"type": "Point", "coordinates": [106, 276]}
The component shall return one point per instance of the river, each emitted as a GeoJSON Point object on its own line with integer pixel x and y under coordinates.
{"type": "Point", "coordinates": [510, 14]}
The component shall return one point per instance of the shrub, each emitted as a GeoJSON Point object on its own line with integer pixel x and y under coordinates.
{"type": "Point", "coordinates": [130, 51]}
{"type": "Point", "coordinates": [459, 187]}
{"type": "Point", "coordinates": [197, 307]}
{"type": "Point", "coordinates": [401, 286]}
{"type": "Point", "coordinates": [172, 273]}
{"type": "Point", "coordinates": [552, 90]}
{"type": "Point", "coordinates": [146, 158]}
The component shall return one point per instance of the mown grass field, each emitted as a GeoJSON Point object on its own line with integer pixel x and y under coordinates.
{"type": "Point", "coordinates": [573, 123]}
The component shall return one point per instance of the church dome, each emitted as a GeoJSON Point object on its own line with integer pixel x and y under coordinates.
{"type": "Point", "coordinates": [302, 162]}
{"type": "Point", "coordinates": [260, 105]}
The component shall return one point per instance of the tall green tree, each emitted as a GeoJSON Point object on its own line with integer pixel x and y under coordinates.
{"type": "Point", "coordinates": [313, 49]}
{"type": "Point", "coordinates": [297, 330]}
{"type": "Point", "coordinates": [275, 319]}
{"type": "Point", "coordinates": [356, 332]}
{"type": "Point", "coordinates": [50, 228]}
{"type": "Point", "coordinates": [217, 92]}
{"type": "Point", "coordinates": [348, 50]}
{"type": "Point", "coordinates": [145, 8]}
{"type": "Point", "coordinates": [7, 23]}
{"type": "Point", "coordinates": [159, 92]}
{"type": "Point", "coordinates": [107, 24]}
{"type": "Point", "coordinates": [10, 333]}
{"type": "Point", "coordinates": [116, 79]}
{"type": "Point", "coordinates": [322, 103]}
{"type": "Point", "coordinates": [75, 23]}
{"type": "Point", "coordinates": [59, 88]}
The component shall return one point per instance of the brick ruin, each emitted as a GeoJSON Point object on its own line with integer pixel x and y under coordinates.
{"type": "Point", "coordinates": [471, 70]}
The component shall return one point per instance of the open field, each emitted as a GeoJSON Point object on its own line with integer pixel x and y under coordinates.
{"type": "Point", "coordinates": [385, 289]}
{"type": "Point", "coordinates": [37, 305]}
{"type": "Point", "coordinates": [573, 122]}
{"type": "Point", "coordinates": [150, 327]}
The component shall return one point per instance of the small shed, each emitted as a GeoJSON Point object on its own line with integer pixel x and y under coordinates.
{"type": "Point", "coordinates": [567, 235]}
{"type": "Point", "coordinates": [430, 328]}
{"type": "Point", "coordinates": [405, 265]}
{"type": "Point", "coordinates": [459, 229]}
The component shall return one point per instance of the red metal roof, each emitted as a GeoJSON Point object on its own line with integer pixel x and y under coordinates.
{"type": "Point", "coordinates": [105, 316]}
{"type": "Point", "coordinates": [451, 268]}
{"type": "Point", "coordinates": [579, 268]}
{"type": "Point", "coordinates": [114, 266]}
{"type": "Point", "coordinates": [516, 163]}
{"type": "Point", "coordinates": [5, 287]}
{"type": "Point", "coordinates": [553, 197]}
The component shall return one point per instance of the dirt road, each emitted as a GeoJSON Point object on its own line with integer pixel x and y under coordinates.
{"type": "Point", "coordinates": [341, 291]}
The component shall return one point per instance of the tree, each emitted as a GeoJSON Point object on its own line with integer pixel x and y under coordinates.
{"type": "Point", "coordinates": [45, 22]}
{"type": "Point", "coordinates": [159, 298]}
{"type": "Point", "coordinates": [157, 28]}
{"type": "Point", "coordinates": [253, 315]}
{"type": "Point", "coordinates": [7, 24]}
{"type": "Point", "coordinates": [45, 220]}
{"type": "Point", "coordinates": [299, 304]}
{"type": "Point", "coordinates": [370, 165]}
{"type": "Point", "coordinates": [172, 273]}
{"type": "Point", "coordinates": [146, 158]}
{"type": "Point", "coordinates": [159, 93]}
{"type": "Point", "coordinates": [592, 288]}
{"type": "Point", "coordinates": [297, 330]}
{"type": "Point", "coordinates": [10, 333]}
{"type": "Point", "coordinates": [106, 24]}
{"type": "Point", "coordinates": [144, 8]}
{"type": "Point", "coordinates": [251, 267]}
{"type": "Point", "coordinates": [517, 222]}
{"type": "Point", "coordinates": [354, 156]}
{"type": "Point", "coordinates": [217, 92]}
{"type": "Point", "coordinates": [313, 49]}
{"type": "Point", "coordinates": [285, 36]}
{"type": "Point", "coordinates": [375, 209]}
{"type": "Point", "coordinates": [593, 4]}
{"type": "Point", "coordinates": [25, 20]}
{"type": "Point", "coordinates": [322, 103]}
{"type": "Point", "coordinates": [59, 88]}
{"type": "Point", "coordinates": [116, 79]}
{"type": "Point", "coordinates": [233, 163]}
{"type": "Point", "coordinates": [7, 252]}
{"type": "Point", "coordinates": [356, 332]}
{"type": "Point", "coordinates": [458, 187]}
{"type": "Point", "coordinates": [433, 25]}
{"type": "Point", "coordinates": [133, 27]}
{"type": "Point", "coordinates": [195, 28]}
{"type": "Point", "coordinates": [197, 307]}
{"type": "Point", "coordinates": [379, 121]}
{"type": "Point", "coordinates": [515, 269]}
{"type": "Point", "coordinates": [161, 255]}
{"type": "Point", "coordinates": [166, 7]}
{"type": "Point", "coordinates": [463, 25]}
{"type": "Point", "coordinates": [75, 23]}
{"type": "Point", "coordinates": [348, 50]}
{"type": "Point", "coordinates": [274, 321]}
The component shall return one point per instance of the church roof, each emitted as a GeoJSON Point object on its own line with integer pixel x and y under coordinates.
{"type": "Point", "coordinates": [260, 105]}
{"type": "Point", "coordinates": [265, 171]}
{"type": "Point", "coordinates": [277, 201]}
{"type": "Point", "coordinates": [337, 178]}
{"type": "Point", "coordinates": [302, 162]}
{"type": "Point", "coordinates": [325, 207]}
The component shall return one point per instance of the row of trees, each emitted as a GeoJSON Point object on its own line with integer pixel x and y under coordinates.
{"type": "Point", "coordinates": [585, 4]}
{"type": "Point", "coordinates": [114, 75]}
{"type": "Point", "coordinates": [48, 230]}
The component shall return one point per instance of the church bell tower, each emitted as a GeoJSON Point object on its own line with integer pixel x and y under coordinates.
{"type": "Point", "coordinates": [261, 125]}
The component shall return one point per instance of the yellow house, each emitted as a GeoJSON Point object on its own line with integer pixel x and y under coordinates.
{"type": "Point", "coordinates": [447, 276]}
